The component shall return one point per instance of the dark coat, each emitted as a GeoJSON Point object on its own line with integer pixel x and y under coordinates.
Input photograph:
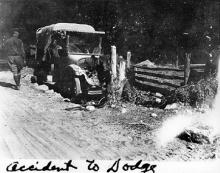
{"type": "Point", "coordinates": [14, 47]}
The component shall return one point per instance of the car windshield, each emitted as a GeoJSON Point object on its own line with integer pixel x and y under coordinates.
{"type": "Point", "coordinates": [84, 43]}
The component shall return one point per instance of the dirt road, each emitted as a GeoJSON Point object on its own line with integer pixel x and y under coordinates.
{"type": "Point", "coordinates": [38, 123]}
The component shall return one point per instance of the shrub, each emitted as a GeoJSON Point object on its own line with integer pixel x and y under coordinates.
{"type": "Point", "coordinates": [202, 92]}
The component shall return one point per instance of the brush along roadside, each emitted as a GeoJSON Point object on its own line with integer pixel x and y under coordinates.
{"type": "Point", "coordinates": [195, 94]}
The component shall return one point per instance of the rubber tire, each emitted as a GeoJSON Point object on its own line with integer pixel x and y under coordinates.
{"type": "Point", "coordinates": [41, 77]}
{"type": "Point", "coordinates": [33, 79]}
{"type": "Point", "coordinates": [67, 85]}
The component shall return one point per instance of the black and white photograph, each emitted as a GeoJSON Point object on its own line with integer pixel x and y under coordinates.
{"type": "Point", "coordinates": [131, 84]}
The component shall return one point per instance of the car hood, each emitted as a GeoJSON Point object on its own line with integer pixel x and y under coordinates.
{"type": "Point", "coordinates": [76, 58]}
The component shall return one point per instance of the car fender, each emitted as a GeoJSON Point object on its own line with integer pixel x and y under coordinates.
{"type": "Point", "coordinates": [78, 71]}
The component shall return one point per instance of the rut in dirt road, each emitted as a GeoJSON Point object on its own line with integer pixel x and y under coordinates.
{"type": "Point", "coordinates": [31, 130]}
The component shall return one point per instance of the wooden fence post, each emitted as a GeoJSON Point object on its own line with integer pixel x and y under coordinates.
{"type": "Point", "coordinates": [187, 67]}
{"type": "Point", "coordinates": [122, 69]}
{"type": "Point", "coordinates": [122, 77]}
{"type": "Point", "coordinates": [128, 59]}
{"type": "Point", "coordinates": [113, 73]}
{"type": "Point", "coordinates": [177, 61]}
{"type": "Point", "coordinates": [113, 62]}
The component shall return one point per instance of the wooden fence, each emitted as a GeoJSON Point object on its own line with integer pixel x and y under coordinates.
{"type": "Point", "coordinates": [165, 79]}
{"type": "Point", "coordinates": [148, 76]}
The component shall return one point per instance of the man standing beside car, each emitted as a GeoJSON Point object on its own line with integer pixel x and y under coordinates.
{"type": "Point", "coordinates": [212, 63]}
{"type": "Point", "coordinates": [16, 57]}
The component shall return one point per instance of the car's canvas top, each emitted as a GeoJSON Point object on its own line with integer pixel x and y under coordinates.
{"type": "Point", "coordinates": [72, 27]}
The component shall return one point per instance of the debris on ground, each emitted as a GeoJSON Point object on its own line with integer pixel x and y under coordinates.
{"type": "Point", "coordinates": [74, 108]}
{"type": "Point", "coordinates": [42, 88]}
{"type": "Point", "coordinates": [50, 91]}
{"type": "Point", "coordinates": [172, 106]}
{"type": "Point", "coordinates": [145, 98]}
{"type": "Point", "coordinates": [123, 110]}
{"type": "Point", "coordinates": [66, 100]}
{"type": "Point", "coordinates": [153, 115]}
{"type": "Point", "coordinates": [147, 63]}
{"type": "Point", "coordinates": [90, 108]}
{"type": "Point", "coordinates": [113, 106]}
{"type": "Point", "coordinates": [195, 137]}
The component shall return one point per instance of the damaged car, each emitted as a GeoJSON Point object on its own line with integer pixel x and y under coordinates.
{"type": "Point", "coordinates": [70, 57]}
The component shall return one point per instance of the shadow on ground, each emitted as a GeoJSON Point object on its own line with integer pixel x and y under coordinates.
{"type": "Point", "coordinates": [7, 85]}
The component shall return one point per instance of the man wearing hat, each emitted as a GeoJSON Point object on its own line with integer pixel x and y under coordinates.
{"type": "Point", "coordinates": [16, 55]}
{"type": "Point", "coordinates": [213, 62]}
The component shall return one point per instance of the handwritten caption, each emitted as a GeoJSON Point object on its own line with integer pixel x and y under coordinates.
{"type": "Point", "coordinates": [91, 166]}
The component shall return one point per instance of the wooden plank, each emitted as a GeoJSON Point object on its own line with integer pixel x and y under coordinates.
{"type": "Point", "coordinates": [3, 61]}
{"type": "Point", "coordinates": [158, 68]}
{"type": "Point", "coordinates": [161, 72]}
{"type": "Point", "coordinates": [158, 82]}
{"type": "Point", "coordinates": [161, 75]}
{"type": "Point", "coordinates": [181, 67]}
{"type": "Point", "coordinates": [174, 83]}
{"type": "Point", "coordinates": [154, 85]}
{"type": "Point", "coordinates": [199, 70]}
{"type": "Point", "coordinates": [194, 66]}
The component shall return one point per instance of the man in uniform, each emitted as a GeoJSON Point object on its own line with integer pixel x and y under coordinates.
{"type": "Point", "coordinates": [213, 62]}
{"type": "Point", "coordinates": [16, 55]}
